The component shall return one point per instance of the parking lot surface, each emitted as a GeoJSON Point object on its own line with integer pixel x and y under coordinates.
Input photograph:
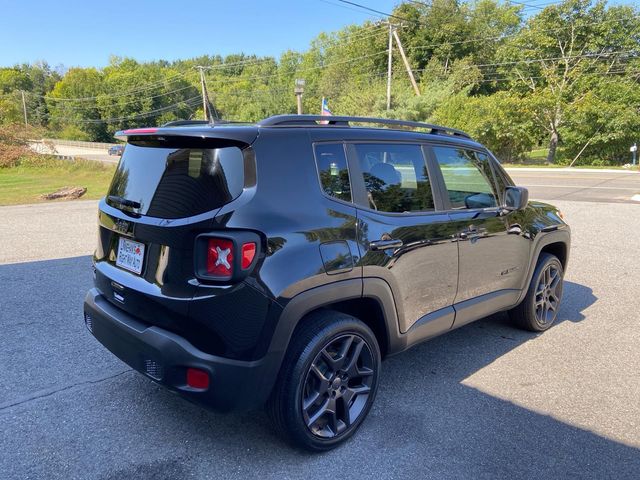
{"type": "Point", "coordinates": [484, 401]}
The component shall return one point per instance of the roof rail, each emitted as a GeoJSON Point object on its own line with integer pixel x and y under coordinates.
{"type": "Point", "coordinates": [344, 121]}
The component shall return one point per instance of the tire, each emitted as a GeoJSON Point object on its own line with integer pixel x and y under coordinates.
{"type": "Point", "coordinates": [328, 381]}
{"type": "Point", "coordinates": [539, 309]}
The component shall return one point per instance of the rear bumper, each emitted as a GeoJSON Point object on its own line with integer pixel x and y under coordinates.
{"type": "Point", "coordinates": [164, 357]}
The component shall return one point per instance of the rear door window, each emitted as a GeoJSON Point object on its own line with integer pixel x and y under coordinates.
{"type": "Point", "coordinates": [176, 182]}
{"type": "Point", "coordinates": [395, 177]}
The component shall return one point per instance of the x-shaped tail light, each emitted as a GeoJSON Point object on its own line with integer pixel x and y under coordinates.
{"type": "Point", "coordinates": [228, 258]}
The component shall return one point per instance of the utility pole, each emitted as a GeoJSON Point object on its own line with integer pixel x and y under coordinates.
{"type": "Point", "coordinates": [24, 109]}
{"type": "Point", "coordinates": [210, 111]}
{"type": "Point", "coordinates": [633, 150]}
{"type": "Point", "coordinates": [205, 107]}
{"type": "Point", "coordinates": [299, 90]}
{"type": "Point", "coordinates": [406, 63]}
{"type": "Point", "coordinates": [390, 65]}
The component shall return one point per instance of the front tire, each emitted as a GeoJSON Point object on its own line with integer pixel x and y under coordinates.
{"type": "Point", "coordinates": [539, 309]}
{"type": "Point", "coordinates": [328, 381]}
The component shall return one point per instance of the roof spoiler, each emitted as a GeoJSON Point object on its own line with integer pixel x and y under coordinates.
{"type": "Point", "coordinates": [194, 135]}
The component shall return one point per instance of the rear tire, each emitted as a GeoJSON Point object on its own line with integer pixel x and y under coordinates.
{"type": "Point", "coordinates": [539, 309]}
{"type": "Point", "coordinates": [328, 381]}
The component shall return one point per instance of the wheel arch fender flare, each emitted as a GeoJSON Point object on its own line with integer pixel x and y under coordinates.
{"type": "Point", "coordinates": [558, 236]}
{"type": "Point", "coordinates": [318, 297]}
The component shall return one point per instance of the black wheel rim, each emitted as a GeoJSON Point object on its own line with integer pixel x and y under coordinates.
{"type": "Point", "coordinates": [548, 294]}
{"type": "Point", "coordinates": [337, 386]}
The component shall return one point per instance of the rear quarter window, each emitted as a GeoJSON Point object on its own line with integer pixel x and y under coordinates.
{"type": "Point", "coordinates": [333, 171]}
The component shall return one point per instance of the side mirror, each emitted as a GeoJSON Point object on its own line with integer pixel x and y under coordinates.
{"type": "Point", "coordinates": [516, 198]}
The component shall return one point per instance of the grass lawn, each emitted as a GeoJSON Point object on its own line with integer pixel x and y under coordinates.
{"type": "Point", "coordinates": [37, 175]}
{"type": "Point", "coordinates": [538, 158]}
{"type": "Point", "coordinates": [538, 155]}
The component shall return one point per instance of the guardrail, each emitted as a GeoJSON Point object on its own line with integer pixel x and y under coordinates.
{"type": "Point", "coordinates": [78, 143]}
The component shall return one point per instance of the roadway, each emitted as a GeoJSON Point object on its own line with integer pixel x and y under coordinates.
{"type": "Point", "coordinates": [584, 185]}
{"type": "Point", "coordinates": [97, 153]}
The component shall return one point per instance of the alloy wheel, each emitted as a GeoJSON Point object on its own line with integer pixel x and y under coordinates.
{"type": "Point", "coordinates": [548, 294]}
{"type": "Point", "coordinates": [337, 386]}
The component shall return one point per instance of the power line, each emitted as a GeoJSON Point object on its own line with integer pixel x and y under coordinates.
{"type": "Point", "coordinates": [244, 93]}
{"type": "Point", "coordinates": [508, 35]}
{"type": "Point", "coordinates": [527, 5]}
{"type": "Point", "coordinates": [390, 15]}
{"type": "Point", "coordinates": [593, 74]}
{"type": "Point", "coordinates": [148, 86]}
{"type": "Point", "coordinates": [420, 3]}
{"type": "Point", "coordinates": [67, 107]}
{"type": "Point", "coordinates": [568, 57]}
{"type": "Point", "coordinates": [297, 71]}
{"type": "Point", "coordinates": [190, 102]}
{"type": "Point", "coordinates": [480, 39]}
{"type": "Point", "coordinates": [352, 9]}
{"type": "Point", "coordinates": [357, 36]}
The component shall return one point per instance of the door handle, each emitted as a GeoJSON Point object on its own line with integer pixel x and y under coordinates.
{"type": "Point", "coordinates": [378, 245]}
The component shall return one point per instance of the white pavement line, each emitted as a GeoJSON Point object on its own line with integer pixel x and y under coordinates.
{"type": "Point", "coordinates": [633, 189]}
{"type": "Point", "coordinates": [569, 170]}
{"type": "Point", "coordinates": [636, 197]}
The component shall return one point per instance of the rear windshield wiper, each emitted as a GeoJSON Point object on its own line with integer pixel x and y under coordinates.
{"type": "Point", "coordinates": [123, 201]}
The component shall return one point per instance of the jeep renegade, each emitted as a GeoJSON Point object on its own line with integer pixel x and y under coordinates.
{"type": "Point", "coordinates": [277, 263]}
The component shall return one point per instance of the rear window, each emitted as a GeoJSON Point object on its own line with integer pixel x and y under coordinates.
{"type": "Point", "coordinates": [176, 182]}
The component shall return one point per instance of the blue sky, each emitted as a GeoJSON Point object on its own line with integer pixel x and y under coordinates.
{"type": "Point", "coordinates": [86, 33]}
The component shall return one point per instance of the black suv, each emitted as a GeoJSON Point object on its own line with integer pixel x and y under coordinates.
{"type": "Point", "coordinates": [277, 263]}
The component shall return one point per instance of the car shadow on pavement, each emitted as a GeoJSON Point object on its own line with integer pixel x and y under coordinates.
{"type": "Point", "coordinates": [429, 421]}
{"type": "Point", "coordinates": [426, 423]}
{"type": "Point", "coordinates": [576, 298]}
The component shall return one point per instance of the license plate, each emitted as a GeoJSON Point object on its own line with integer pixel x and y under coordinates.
{"type": "Point", "coordinates": [130, 255]}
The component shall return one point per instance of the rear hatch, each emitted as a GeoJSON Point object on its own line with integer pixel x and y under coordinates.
{"type": "Point", "coordinates": [167, 189]}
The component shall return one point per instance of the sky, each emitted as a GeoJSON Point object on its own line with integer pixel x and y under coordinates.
{"type": "Point", "coordinates": [85, 33]}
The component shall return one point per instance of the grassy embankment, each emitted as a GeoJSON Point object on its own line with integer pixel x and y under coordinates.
{"type": "Point", "coordinates": [34, 175]}
{"type": "Point", "coordinates": [538, 158]}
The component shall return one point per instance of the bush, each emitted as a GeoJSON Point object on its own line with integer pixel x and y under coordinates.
{"type": "Point", "coordinates": [10, 155]}
{"type": "Point", "coordinates": [14, 144]}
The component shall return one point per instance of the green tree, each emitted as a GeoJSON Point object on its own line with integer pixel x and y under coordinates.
{"type": "Point", "coordinates": [557, 48]}
{"type": "Point", "coordinates": [604, 122]}
{"type": "Point", "coordinates": [73, 101]}
{"type": "Point", "coordinates": [135, 95]}
{"type": "Point", "coordinates": [499, 121]}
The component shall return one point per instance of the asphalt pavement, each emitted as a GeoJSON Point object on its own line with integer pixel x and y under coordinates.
{"type": "Point", "coordinates": [484, 401]}
{"type": "Point", "coordinates": [583, 185]}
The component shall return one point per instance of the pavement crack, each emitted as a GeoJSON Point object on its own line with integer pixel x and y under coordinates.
{"type": "Point", "coordinates": [47, 393]}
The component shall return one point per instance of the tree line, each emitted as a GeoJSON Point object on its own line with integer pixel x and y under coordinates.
{"type": "Point", "coordinates": [565, 77]}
